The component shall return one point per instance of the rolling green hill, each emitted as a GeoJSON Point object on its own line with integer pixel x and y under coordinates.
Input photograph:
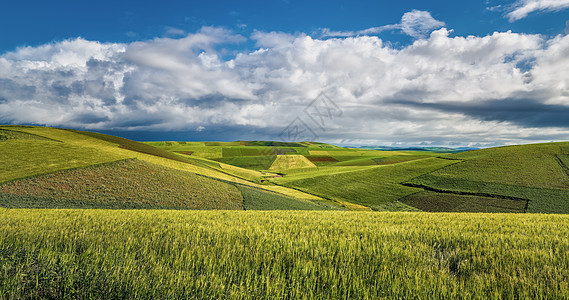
{"type": "Point", "coordinates": [275, 175]}
{"type": "Point", "coordinates": [536, 175]}
{"type": "Point", "coordinates": [58, 168]}
{"type": "Point", "coordinates": [122, 184]}
{"type": "Point", "coordinates": [526, 178]}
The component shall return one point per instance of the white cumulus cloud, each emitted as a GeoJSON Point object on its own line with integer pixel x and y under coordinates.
{"type": "Point", "coordinates": [441, 90]}
{"type": "Point", "coordinates": [522, 8]}
{"type": "Point", "coordinates": [416, 23]}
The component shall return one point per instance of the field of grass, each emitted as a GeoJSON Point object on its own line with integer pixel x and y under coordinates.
{"type": "Point", "coordinates": [535, 174]}
{"type": "Point", "coordinates": [130, 183]}
{"type": "Point", "coordinates": [447, 202]}
{"type": "Point", "coordinates": [123, 227]}
{"type": "Point", "coordinates": [23, 157]}
{"type": "Point", "coordinates": [369, 186]}
{"type": "Point", "coordinates": [76, 254]}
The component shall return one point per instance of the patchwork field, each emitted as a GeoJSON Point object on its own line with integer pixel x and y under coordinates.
{"type": "Point", "coordinates": [154, 254]}
{"type": "Point", "coordinates": [526, 178]}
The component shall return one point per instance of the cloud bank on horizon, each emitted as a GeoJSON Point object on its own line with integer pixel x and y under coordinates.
{"type": "Point", "coordinates": [441, 89]}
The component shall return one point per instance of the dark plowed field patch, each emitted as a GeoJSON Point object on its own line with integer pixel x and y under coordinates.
{"type": "Point", "coordinates": [321, 158]}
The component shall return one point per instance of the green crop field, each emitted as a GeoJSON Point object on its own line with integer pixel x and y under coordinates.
{"type": "Point", "coordinates": [285, 162]}
{"type": "Point", "coordinates": [369, 186]}
{"type": "Point", "coordinates": [76, 254]}
{"type": "Point", "coordinates": [536, 174]}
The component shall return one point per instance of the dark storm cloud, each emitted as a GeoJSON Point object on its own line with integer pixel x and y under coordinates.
{"type": "Point", "coordinates": [211, 101]}
{"type": "Point", "coordinates": [10, 89]}
{"type": "Point", "coordinates": [89, 118]}
{"type": "Point", "coordinates": [60, 89]}
{"type": "Point", "coordinates": [523, 112]}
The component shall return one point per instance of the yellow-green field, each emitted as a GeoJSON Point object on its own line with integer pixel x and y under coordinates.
{"type": "Point", "coordinates": [285, 162]}
{"type": "Point", "coordinates": [126, 254]}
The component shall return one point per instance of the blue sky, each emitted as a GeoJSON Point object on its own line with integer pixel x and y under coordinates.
{"type": "Point", "coordinates": [127, 21]}
{"type": "Point", "coordinates": [445, 73]}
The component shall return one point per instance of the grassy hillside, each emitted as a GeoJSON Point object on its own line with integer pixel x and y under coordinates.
{"type": "Point", "coordinates": [532, 174]}
{"type": "Point", "coordinates": [526, 178]}
{"type": "Point", "coordinates": [534, 165]}
{"type": "Point", "coordinates": [29, 152]}
{"type": "Point", "coordinates": [101, 254]}
{"type": "Point", "coordinates": [370, 186]}
{"type": "Point", "coordinates": [130, 183]}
